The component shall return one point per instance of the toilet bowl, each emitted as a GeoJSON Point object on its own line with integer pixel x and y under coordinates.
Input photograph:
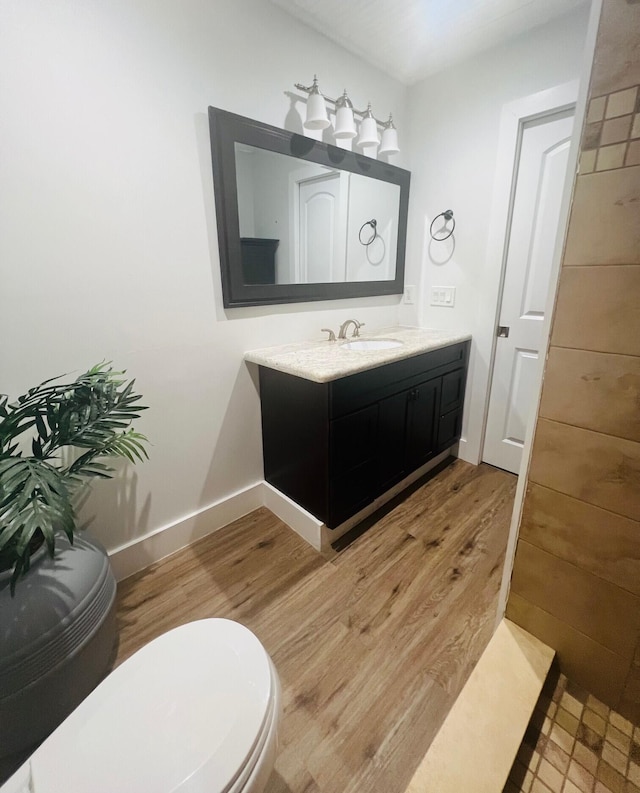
{"type": "Point", "coordinates": [194, 711]}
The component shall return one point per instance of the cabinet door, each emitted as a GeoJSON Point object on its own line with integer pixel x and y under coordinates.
{"type": "Point", "coordinates": [353, 440]}
{"type": "Point", "coordinates": [392, 422]}
{"type": "Point", "coordinates": [351, 492]}
{"type": "Point", "coordinates": [421, 423]}
{"type": "Point", "coordinates": [353, 444]}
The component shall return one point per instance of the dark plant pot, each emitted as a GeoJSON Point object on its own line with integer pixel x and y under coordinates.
{"type": "Point", "coordinates": [57, 637]}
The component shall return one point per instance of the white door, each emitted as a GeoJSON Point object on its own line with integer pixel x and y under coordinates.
{"type": "Point", "coordinates": [322, 230]}
{"type": "Point", "coordinates": [538, 183]}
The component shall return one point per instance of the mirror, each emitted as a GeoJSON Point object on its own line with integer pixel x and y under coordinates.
{"type": "Point", "coordinates": [300, 220]}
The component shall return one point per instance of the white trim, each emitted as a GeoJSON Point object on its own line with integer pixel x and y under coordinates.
{"type": "Point", "coordinates": [314, 531]}
{"type": "Point", "coordinates": [295, 516]}
{"type": "Point", "coordinates": [514, 115]}
{"type": "Point", "coordinates": [133, 556]}
{"type": "Point", "coordinates": [581, 109]}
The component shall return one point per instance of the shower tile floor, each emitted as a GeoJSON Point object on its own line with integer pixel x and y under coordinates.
{"type": "Point", "coordinates": [576, 744]}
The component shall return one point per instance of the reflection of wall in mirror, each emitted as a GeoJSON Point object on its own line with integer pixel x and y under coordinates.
{"type": "Point", "coordinates": [374, 262]}
{"type": "Point", "coordinates": [244, 180]}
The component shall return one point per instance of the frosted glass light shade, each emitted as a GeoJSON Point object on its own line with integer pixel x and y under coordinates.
{"type": "Point", "coordinates": [345, 123]}
{"type": "Point", "coordinates": [317, 117]}
{"type": "Point", "coordinates": [368, 132]}
{"type": "Point", "coordinates": [389, 143]}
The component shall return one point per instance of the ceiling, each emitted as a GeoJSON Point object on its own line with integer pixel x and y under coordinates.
{"type": "Point", "coordinates": [412, 39]}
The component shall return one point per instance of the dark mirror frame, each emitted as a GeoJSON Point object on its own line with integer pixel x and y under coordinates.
{"type": "Point", "coordinates": [226, 130]}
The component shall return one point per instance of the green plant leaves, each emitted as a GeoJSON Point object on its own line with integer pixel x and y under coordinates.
{"type": "Point", "coordinates": [93, 413]}
{"type": "Point", "coordinates": [34, 497]}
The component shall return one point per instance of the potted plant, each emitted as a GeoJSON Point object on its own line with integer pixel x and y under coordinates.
{"type": "Point", "coordinates": [92, 414]}
{"type": "Point", "coordinates": [58, 625]}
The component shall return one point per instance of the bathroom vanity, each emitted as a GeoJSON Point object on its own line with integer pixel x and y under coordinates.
{"type": "Point", "coordinates": [341, 427]}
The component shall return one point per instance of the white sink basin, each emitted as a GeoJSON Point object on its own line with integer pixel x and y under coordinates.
{"type": "Point", "coordinates": [366, 345]}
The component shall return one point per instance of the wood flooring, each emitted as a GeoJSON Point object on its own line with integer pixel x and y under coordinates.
{"type": "Point", "coordinates": [372, 643]}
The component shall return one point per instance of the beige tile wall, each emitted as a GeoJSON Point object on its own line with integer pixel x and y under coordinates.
{"type": "Point", "coordinates": [576, 578]}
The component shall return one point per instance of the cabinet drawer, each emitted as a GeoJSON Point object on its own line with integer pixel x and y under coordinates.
{"type": "Point", "coordinates": [358, 390]}
{"type": "Point", "coordinates": [452, 390]}
{"type": "Point", "coordinates": [449, 428]}
{"type": "Point", "coordinates": [353, 439]}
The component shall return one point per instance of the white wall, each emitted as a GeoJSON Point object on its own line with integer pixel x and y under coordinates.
{"type": "Point", "coordinates": [376, 261]}
{"type": "Point", "coordinates": [108, 245]}
{"type": "Point", "coordinates": [454, 121]}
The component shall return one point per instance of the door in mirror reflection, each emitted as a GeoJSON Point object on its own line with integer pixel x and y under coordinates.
{"type": "Point", "coordinates": [319, 255]}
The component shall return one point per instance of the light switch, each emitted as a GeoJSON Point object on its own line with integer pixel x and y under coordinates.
{"type": "Point", "coordinates": [443, 296]}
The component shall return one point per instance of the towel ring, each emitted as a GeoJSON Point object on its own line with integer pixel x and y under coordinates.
{"type": "Point", "coordinates": [373, 223]}
{"type": "Point", "coordinates": [448, 216]}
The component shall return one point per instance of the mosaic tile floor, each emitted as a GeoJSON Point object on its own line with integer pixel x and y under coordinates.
{"type": "Point", "coordinates": [576, 744]}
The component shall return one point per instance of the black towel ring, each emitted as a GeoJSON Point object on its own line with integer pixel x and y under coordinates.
{"type": "Point", "coordinates": [374, 224]}
{"type": "Point", "coordinates": [448, 216]}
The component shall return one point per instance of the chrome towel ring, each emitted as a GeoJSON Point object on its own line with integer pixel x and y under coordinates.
{"type": "Point", "coordinates": [374, 227]}
{"type": "Point", "coordinates": [448, 216]}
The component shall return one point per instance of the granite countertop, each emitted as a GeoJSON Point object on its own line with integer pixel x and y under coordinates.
{"type": "Point", "coordinates": [323, 361]}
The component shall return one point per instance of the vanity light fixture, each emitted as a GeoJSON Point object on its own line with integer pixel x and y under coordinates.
{"type": "Point", "coordinates": [317, 117]}
{"type": "Point", "coordinates": [389, 143]}
{"type": "Point", "coordinates": [345, 125]}
{"type": "Point", "coordinates": [345, 122]}
{"type": "Point", "coordinates": [368, 129]}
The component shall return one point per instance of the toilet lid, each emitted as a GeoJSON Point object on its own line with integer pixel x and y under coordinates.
{"type": "Point", "coordinates": [182, 714]}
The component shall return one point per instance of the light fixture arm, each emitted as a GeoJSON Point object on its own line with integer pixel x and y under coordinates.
{"type": "Point", "coordinates": [309, 89]}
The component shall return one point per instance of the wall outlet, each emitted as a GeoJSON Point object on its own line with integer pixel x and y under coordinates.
{"type": "Point", "coordinates": [443, 296]}
{"type": "Point", "coordinates": [410, 294]}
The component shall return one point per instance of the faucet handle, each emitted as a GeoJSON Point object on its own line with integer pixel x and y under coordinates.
{"type": "Point", "coordinates": [332, 335]}
{"type": "Point", "coordinates": [359, 325]}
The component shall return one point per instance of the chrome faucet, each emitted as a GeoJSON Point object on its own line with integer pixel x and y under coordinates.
{"type": "Point", "coordinates": [342, 333]}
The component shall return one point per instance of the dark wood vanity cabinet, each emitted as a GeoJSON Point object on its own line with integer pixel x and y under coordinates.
{"type": "Point", "coordinates": [335, 447]}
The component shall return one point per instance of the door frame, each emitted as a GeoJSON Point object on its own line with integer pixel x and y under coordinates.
{"type": "Point", "coordinates": [563, 223]}
{"type": "Point", "coordinates": [514, 117]}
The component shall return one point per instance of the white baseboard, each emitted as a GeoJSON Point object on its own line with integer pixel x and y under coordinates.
{"type": "Point", "coordinates": [468, 452]}
{"type": "Point", "coordinates": [314, 531]}
{"type": "Point", "coordinates": [295, 516]}
{"type": "Point", "coordinates": [134, 556]}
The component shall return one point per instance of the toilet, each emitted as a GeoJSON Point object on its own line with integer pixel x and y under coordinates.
{"type": "Point", "coordinates": [194, 711]}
